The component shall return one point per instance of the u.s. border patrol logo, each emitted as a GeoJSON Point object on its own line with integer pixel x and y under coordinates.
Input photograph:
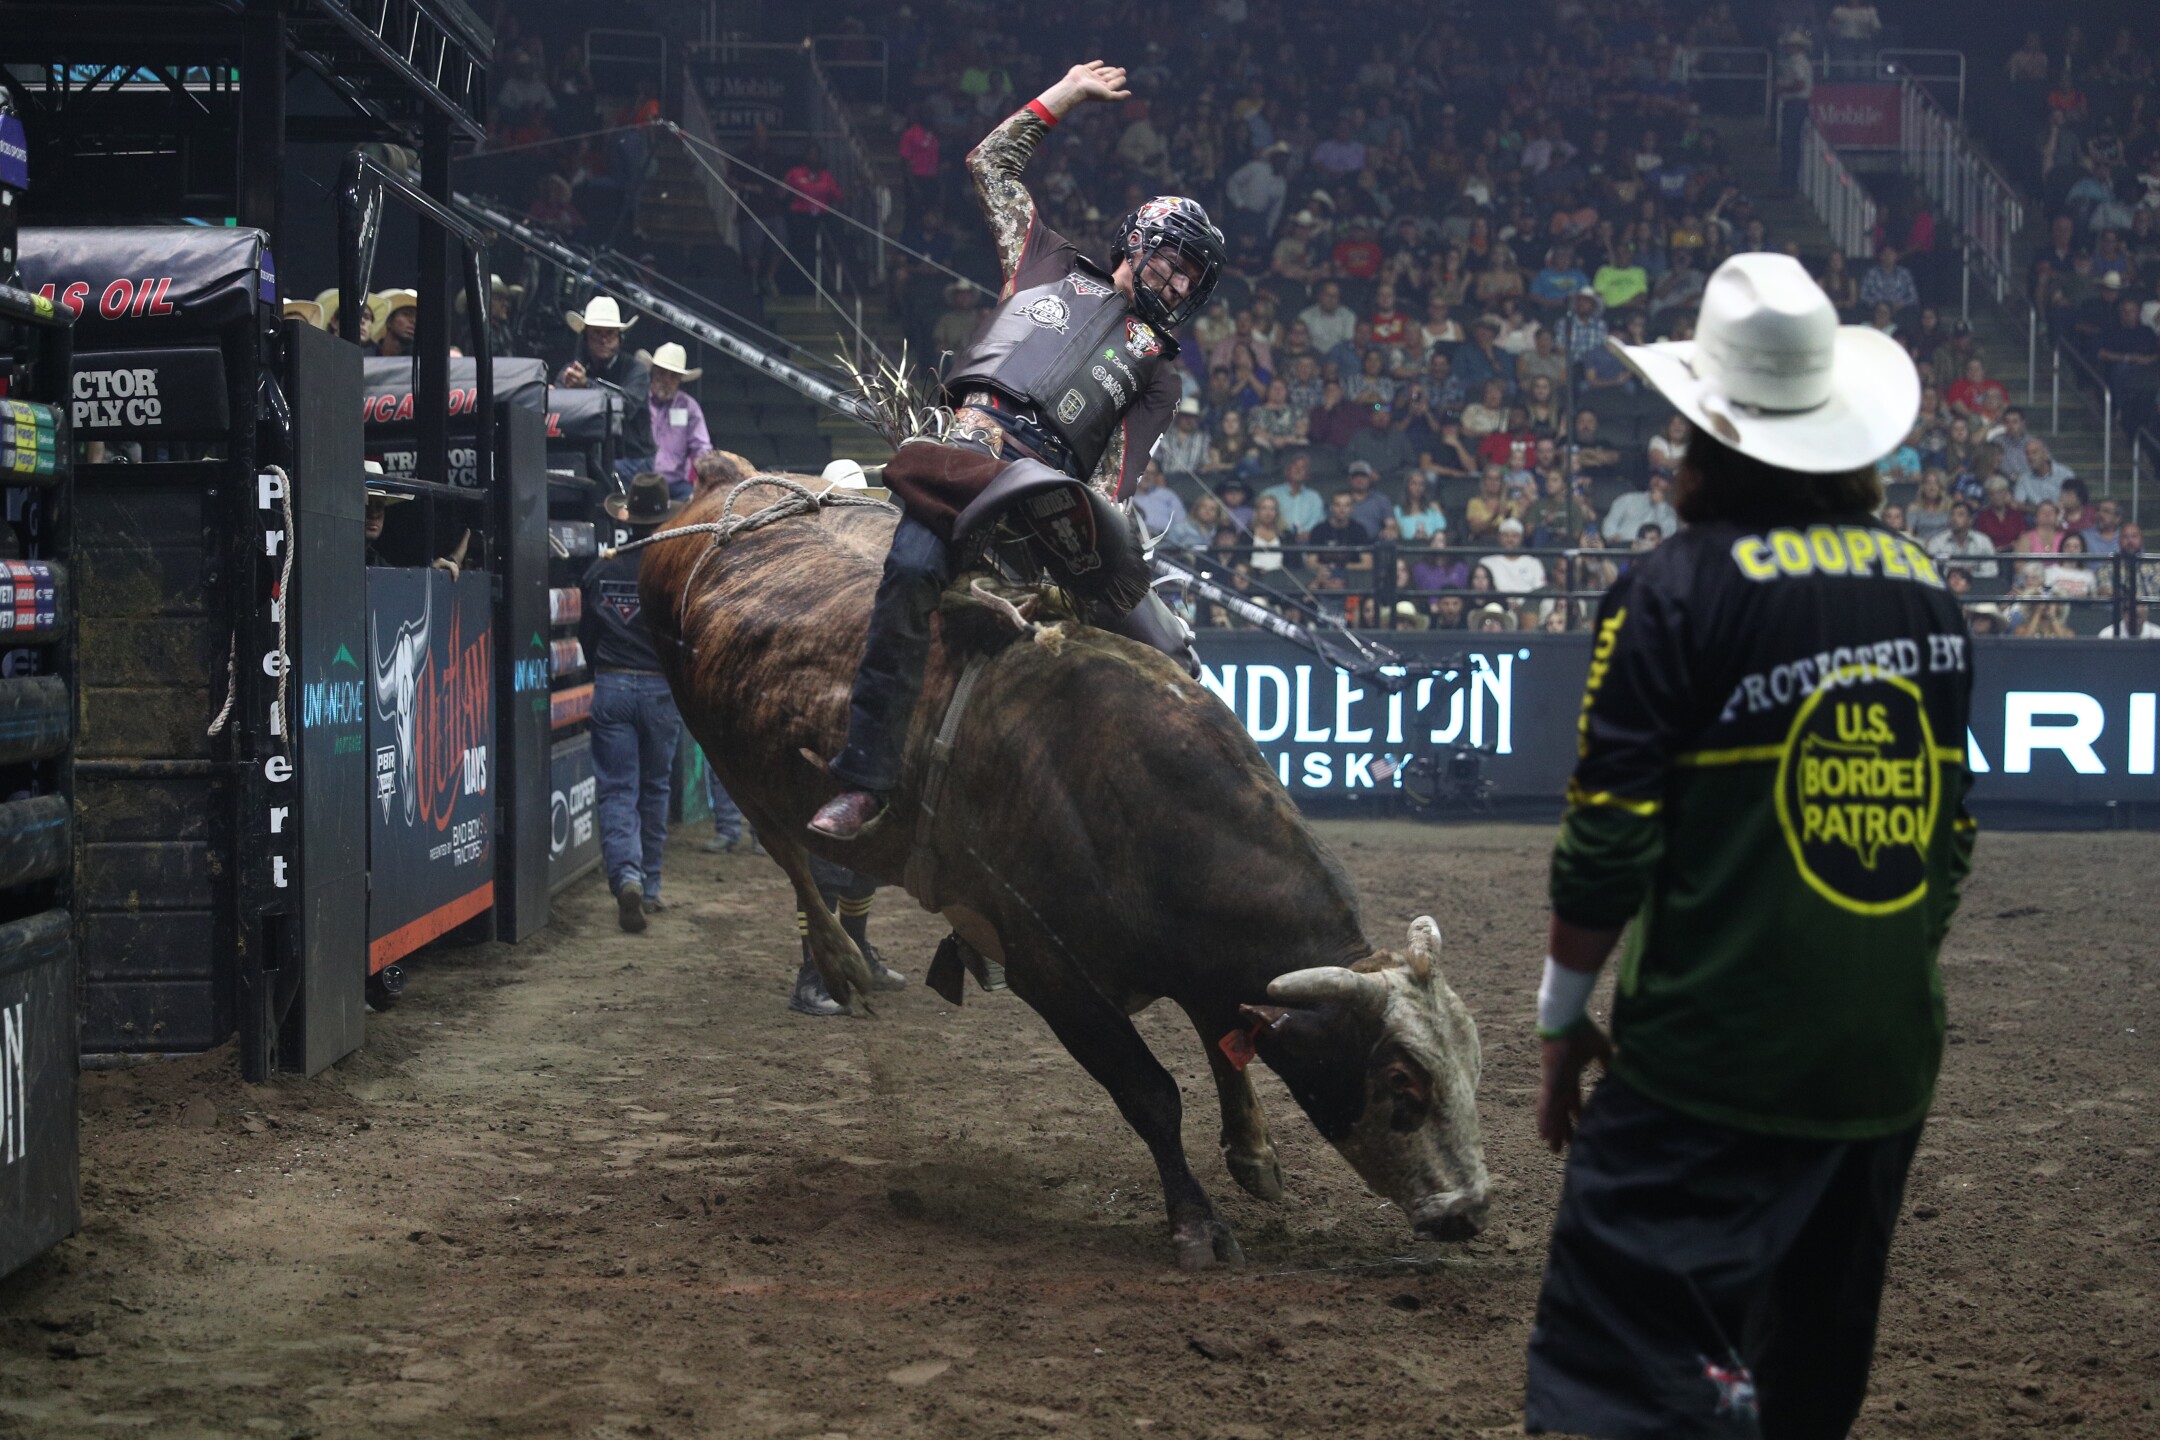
{"type": "Point", "coordinates": [1049, 312]}
{"type": "Point", "coordinates": [1085, 284]}
{"type": "Point", "coordinates": [1069, 406]}
{"type": "Point", "coordinates": [1141, 341]}
{"type": "Point", "coordinates": [1859, 792]}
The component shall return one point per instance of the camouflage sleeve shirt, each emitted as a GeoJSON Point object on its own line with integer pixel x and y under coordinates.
{"type": "Point", "coordinates": [1030, 253]}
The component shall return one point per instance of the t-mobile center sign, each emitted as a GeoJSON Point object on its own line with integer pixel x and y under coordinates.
{"type": "Point", "coordinates": [1857, 116]}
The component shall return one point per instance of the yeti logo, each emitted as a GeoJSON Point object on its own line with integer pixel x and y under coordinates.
{"type": "Point", "coordinates": [1071, 405]}
{"type": "Point", "coordinates": [397, 692]}
{"type": "Point", "coordinates": [1048, 312]}
{"type": "Point", "coordinates": [1088, 285]}
{"type": "Point", "coordinates": [1141, 341]}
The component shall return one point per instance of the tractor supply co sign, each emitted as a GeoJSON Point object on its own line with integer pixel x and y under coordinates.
{"type": "Point", "coordinates": [431, 720]}
{"type": "Point", "coordinates": [1857, 116]}
{"type": "Point", "coordinates": [2070, 722]}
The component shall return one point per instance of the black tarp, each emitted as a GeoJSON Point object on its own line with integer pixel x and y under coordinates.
{"type": "Point", "coordinates": [389, 381]}
{"type": "Point", "coordinates": [151, 284]}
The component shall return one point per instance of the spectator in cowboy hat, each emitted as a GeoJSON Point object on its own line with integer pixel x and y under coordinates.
{"type": "Point", "coordinates": [502, 308]}
{"type": "Point", "coordinates": [678, 422]}
{"type": "Point", "coordinates": [395, 315]}
{"type": "Point", "coordinates": [307, 312]}
{"type": "Point", "coordinates": [601, 360]}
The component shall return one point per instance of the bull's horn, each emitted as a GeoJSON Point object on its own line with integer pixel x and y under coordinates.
{"type": "Point", "coordinates": [1324, 983]}
{"type": "Point", "coordinates": [1424, 956]}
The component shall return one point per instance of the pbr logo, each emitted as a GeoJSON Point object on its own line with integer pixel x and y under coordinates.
{"type": "Point", "coordinates": [1071, 405]}
{"type": "Point", "coordinates": [1859, 791]}
{"type": "Point", "coordinates": [1049, 312]}
{"type": "Point", "coordinates": [1088, 285]}
{"type": "Point", "coordinates": [1141, 341]}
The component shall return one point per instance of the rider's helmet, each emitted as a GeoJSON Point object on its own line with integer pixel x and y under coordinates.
{"type": "Point", "coordinates": [1176, 229]}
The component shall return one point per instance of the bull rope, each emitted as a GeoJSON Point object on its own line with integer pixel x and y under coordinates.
{"type": "Point", "coordinates": [801, 500]}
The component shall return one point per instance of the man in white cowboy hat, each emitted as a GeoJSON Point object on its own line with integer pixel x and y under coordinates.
{"type": "Point", "coordinates": [635, 725]}
{"type": "Point", "coordinates": [396, 317]}
{"type": "Point", "coordinates": [1770, 790]}
{"type": "Point", "coordinates": [678, 422]}
{"type": "Point", "coordinates": [601, 360]}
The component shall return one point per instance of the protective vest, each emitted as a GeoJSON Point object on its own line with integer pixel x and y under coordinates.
{"type": "Point", "coordinates": [1072, 349]}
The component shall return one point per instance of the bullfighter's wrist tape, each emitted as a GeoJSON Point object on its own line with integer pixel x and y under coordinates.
{"type": "Point", "coordinates": [1561, 999]}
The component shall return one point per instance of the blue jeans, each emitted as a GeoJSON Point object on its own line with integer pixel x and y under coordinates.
{"type": "Point", "coordinates": [634, 728]}
{"type": "Point", "coordinates": [727, 821]}
{"type": "Point", "coordinates": [890, 679]}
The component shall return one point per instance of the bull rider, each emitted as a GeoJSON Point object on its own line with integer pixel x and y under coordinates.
{"type": "Point", "coordinates": [1073, 370]}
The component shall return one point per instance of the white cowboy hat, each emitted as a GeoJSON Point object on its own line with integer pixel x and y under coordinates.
{"type": "Point", "coordinates": [846, 475]}
{"type": "Point", "coordinates": [670, 357]}
{"type": "Point", "coordinates": [383, 304]}
{"type": "Point", "coordinates": [1771, 373]}
{"type": "Point", "coordinates": [601, 311]}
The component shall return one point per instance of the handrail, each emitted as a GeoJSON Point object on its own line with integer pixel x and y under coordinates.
{"type": "Point", "coordinates": [1839, 200]}
{"type": "Point", "coordinates": [362, 184]}
{"type": "Point", "coordinates": [598, 271]}
{"type": "Point", "coordinates": [1967, 189]}
{"type": "Point", "coordinates": [1692, 71]}
{"type": "Point", "coordinates": [1888, 69]}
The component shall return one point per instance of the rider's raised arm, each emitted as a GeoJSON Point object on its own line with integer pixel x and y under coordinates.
{"type": "Point", "coordinates": [996, 163]}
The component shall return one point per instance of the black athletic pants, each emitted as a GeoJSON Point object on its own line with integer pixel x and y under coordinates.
{"type": "Point", "coordinates": [1711, 1282]}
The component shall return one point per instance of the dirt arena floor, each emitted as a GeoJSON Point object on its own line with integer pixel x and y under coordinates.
{"type": "Point", "coordinates": [606, 1186]}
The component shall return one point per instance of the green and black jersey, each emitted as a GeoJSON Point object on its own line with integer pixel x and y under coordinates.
{"type": "Point", "coordinates": [1770, 784]}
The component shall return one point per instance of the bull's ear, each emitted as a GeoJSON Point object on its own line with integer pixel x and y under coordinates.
{"type": "Point", "coordinates": [1423, 958]}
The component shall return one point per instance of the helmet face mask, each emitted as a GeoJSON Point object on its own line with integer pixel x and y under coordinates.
{"type": "Point", "coordinates": [1168, 237]}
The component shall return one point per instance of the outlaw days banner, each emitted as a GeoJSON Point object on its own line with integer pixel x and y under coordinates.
{"type": "Point", "coordinates": [2057, 722]}
{"type": "Point", "coordinates": [431, 719]}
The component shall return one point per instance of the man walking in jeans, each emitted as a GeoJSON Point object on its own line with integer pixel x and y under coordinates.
{"type": "Point", "coordinates": [634, 724]}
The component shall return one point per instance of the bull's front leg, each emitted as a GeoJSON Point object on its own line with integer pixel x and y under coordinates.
{"type": "Point", "coordinates": [1247, 1149]}
{"type": "Point", "coordinates": [1103, 1040]}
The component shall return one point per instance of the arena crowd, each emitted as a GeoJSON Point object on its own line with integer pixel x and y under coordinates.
{"type": "Point", "coordinates": [1399, 407]}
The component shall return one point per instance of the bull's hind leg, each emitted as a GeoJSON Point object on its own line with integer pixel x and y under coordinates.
{"type": "Point", "coordinates": [1247, 1149]}
{"type": "Point", "coordinates": [842, 967]}
{"type": "Point", "coordinates": [1100, 1036]}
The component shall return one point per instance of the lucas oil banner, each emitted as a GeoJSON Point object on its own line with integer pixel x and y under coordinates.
{"type": "Point", "coordinates": [431, 721]}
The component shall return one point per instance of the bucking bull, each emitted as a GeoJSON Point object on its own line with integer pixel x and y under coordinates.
{"type": "Point", "coordinates": [1107, 831]}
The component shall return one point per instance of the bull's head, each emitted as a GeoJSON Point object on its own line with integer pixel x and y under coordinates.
{"type": "Point", "coordinates": [1384, 1058]}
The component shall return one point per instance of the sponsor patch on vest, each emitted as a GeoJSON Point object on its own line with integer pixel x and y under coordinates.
{"type": "Point", "coordinates": [1110, 383]}
{"type": "Point", "coordinates": [1070, 406]}
{"type": "Point", "coordinates": [1049, 312]}
{"type": "Point", "coordinates": [1085, 284]}
{"type": "Point", "coordinates": [1141, 341]}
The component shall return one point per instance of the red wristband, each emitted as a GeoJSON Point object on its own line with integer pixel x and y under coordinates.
{"type": "Point", "coordinates": [1042, 113]}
